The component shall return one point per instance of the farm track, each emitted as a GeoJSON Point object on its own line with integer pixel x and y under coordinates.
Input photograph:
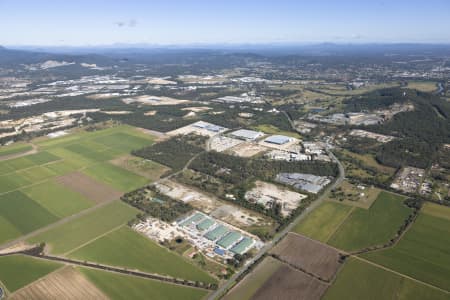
{"type": "Point", "coordinates": [339, 225]}
{"type": "Point", "coordinates": [53, 225]}
{"type": "Point", "coordinates": [34, 150]}
{"type": "Point", "coordinates": [93, 240]}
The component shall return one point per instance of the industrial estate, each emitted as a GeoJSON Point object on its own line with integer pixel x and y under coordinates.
{"type": "Point", "coordinates": [225, 174]}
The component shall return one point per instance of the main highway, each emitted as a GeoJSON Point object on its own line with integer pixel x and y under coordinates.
{"type": "Point", "coordinates": [225, 287]}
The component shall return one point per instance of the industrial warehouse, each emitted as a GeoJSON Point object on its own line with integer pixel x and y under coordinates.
{"type": "Point", "coordinates": [248, 135]}
{"type": "Point", "coordinates": [214, 238]}
{"type": "Point", "coordinates": [306, 182]}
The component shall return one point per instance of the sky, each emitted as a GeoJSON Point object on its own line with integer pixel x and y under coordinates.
{"type": "Point", "coordinates": [108, 22]}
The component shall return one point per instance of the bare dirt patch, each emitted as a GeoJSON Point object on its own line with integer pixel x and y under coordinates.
{"type": "Point", "coordinates": [186, 194]}
{"type": "Point", "coordinates": [247, 149]}
{"type": "Point", "coordinates": [150, 113]}
{"type": "Point", "coordinates": [268, 194]}
{"type": "Point", "coordinates": [65, 283]}
{"type": "Point", "coordinates": [287, 283]}
{"type": "Point", "coordinates": [239, 217]}
{"type": "Point", "coordinates": [154, 100]}
{"type": "Point", "coordinates": [117, 112]}
{"type": "Point", "coordinates": [308, 255]}
{"type": "Point", "coordinates": [197, 108]}
{"type": "Point", "coordinates": [88, 187]}
{"type": "Point", "coordinates": [209, 204]}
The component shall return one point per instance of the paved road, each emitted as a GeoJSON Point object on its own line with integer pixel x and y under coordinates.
{"type": "Point", "coordinates": [224, 288]}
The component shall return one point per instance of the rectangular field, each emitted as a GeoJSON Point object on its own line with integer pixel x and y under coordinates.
{"type": "Point", "coordinates": [23, 213]}
{"type": "Point", "coordinates": [305, 254]}
{"type": "Point", "coordinates": [361, 280]}
{"type": "Point", "coordinates": [323, 221]}
{"type": "Point", "coordinates": [79, 231]}
{"type": "Point", "coordinates": [436, 210]}
{"type": "Point", "coordinates": [57, 199]}
{"type": "Point", "coordinates": [15, 148]}
{"type": "Point", "coordinates": [248, 286]}
{"type": "Point", "coordinates": [17, 271]}
{"type": "Point", "coordinates": [31, 198]}
{"type": "Point", "coordinates": [373, 226]}
{"type": "Point", "coordinates": [88, 187]}
{"type": "Point", "coordinates": [123, 287]}
{"type": "Point", "coordinates": [35, 174]}
{"type": "Point", "coordinates": [7, 231]}
{"type": "Point", "coordinates": [289, 284]}
{"type": "Point", "coordinates": [66, 283]}
{"type": "Point", "coordinates": [116, 177]}
{"type": "Point", "coordinates": [423, 252]}
{"type": "Point", "coordinates": [10, 183]}
{"type": "Point", "coordinates": [114, 249]}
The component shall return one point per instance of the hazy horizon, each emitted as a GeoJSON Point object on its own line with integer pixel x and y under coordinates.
{"type": "Point", "coordinates": [105, 23]}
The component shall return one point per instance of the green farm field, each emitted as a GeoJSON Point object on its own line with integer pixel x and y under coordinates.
{"type": "Point", "coordinates": [116, 177]}
{"type": "Point", "coordinates": [436, 210]}
{"type": "Point", "coordinates": [422, 253]}
{"type": "Point", "coordinates": [17, 271]}
{"type": "Point", "coordinates": [85, 228]}
{"type": "Point", "coordinates": [373, 226]}
{"type": "Point", "coordinates": [323, 221]}
{"type": "Point", "coordinates": [16, 148]}
{"type": "Point", "coordinates": [246, 288]}
{"type": "Point", "coordinates": [57, 199]}
{"type": "Point", "coordinates": [375, 283]}
{"type": "Point", "coordinates": [123, 287]}
{"type": "Point", "coordinates": [270, 129]}
{"type": "Point", "coordinates": [30, 195]}
{"type": "Point", "coordinates": [23, 214]}
{"type": "Point", "coordinates": [114, 249]}
{"type": "Point", "coordinates": [7, 230]}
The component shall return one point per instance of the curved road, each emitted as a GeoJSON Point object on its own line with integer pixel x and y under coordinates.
{"type": "Point", "coordinates": [225, 287]}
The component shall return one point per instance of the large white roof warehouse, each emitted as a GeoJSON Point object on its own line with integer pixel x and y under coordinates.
{"type": "Point", "coordinates": [278, 139]}
{"type": "Point", "coordinates": [247, 134]}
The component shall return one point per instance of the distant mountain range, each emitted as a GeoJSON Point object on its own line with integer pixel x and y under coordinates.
{"type": "Point", "coordinates": [109, 55]}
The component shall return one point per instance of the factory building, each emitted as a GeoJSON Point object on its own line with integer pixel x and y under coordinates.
{"type": "Point", "coordinates": [278, 139]}
{"type": "Point", "coordinates": [245, 134]}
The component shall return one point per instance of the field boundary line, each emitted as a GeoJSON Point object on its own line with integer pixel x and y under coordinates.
{"type": "Point", "coordinates": [322, 243]}
{"type": "Point", "coordinates": [56, 224]}
{"type": "Point", "coordinates": [401, 274]}
{"type": "Point", "coordinates": [34, 183]}
{"type": "Point", "coordinates": [340, 224]}
{"type": "Point", "coordinates": [36, 166]}
{"type": "Point", "coordinates": [40, 279]}
{"type": "Point", "coordinates": [124, 271]}
{"type": "Point", "coordinates": [34, 149]}
{"type": "Point", "coordinates": [92, 240]}
{"type": "Point", "coordinates": [310, 274]}
{"type": "Point", "coordinates": [397, 238]}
